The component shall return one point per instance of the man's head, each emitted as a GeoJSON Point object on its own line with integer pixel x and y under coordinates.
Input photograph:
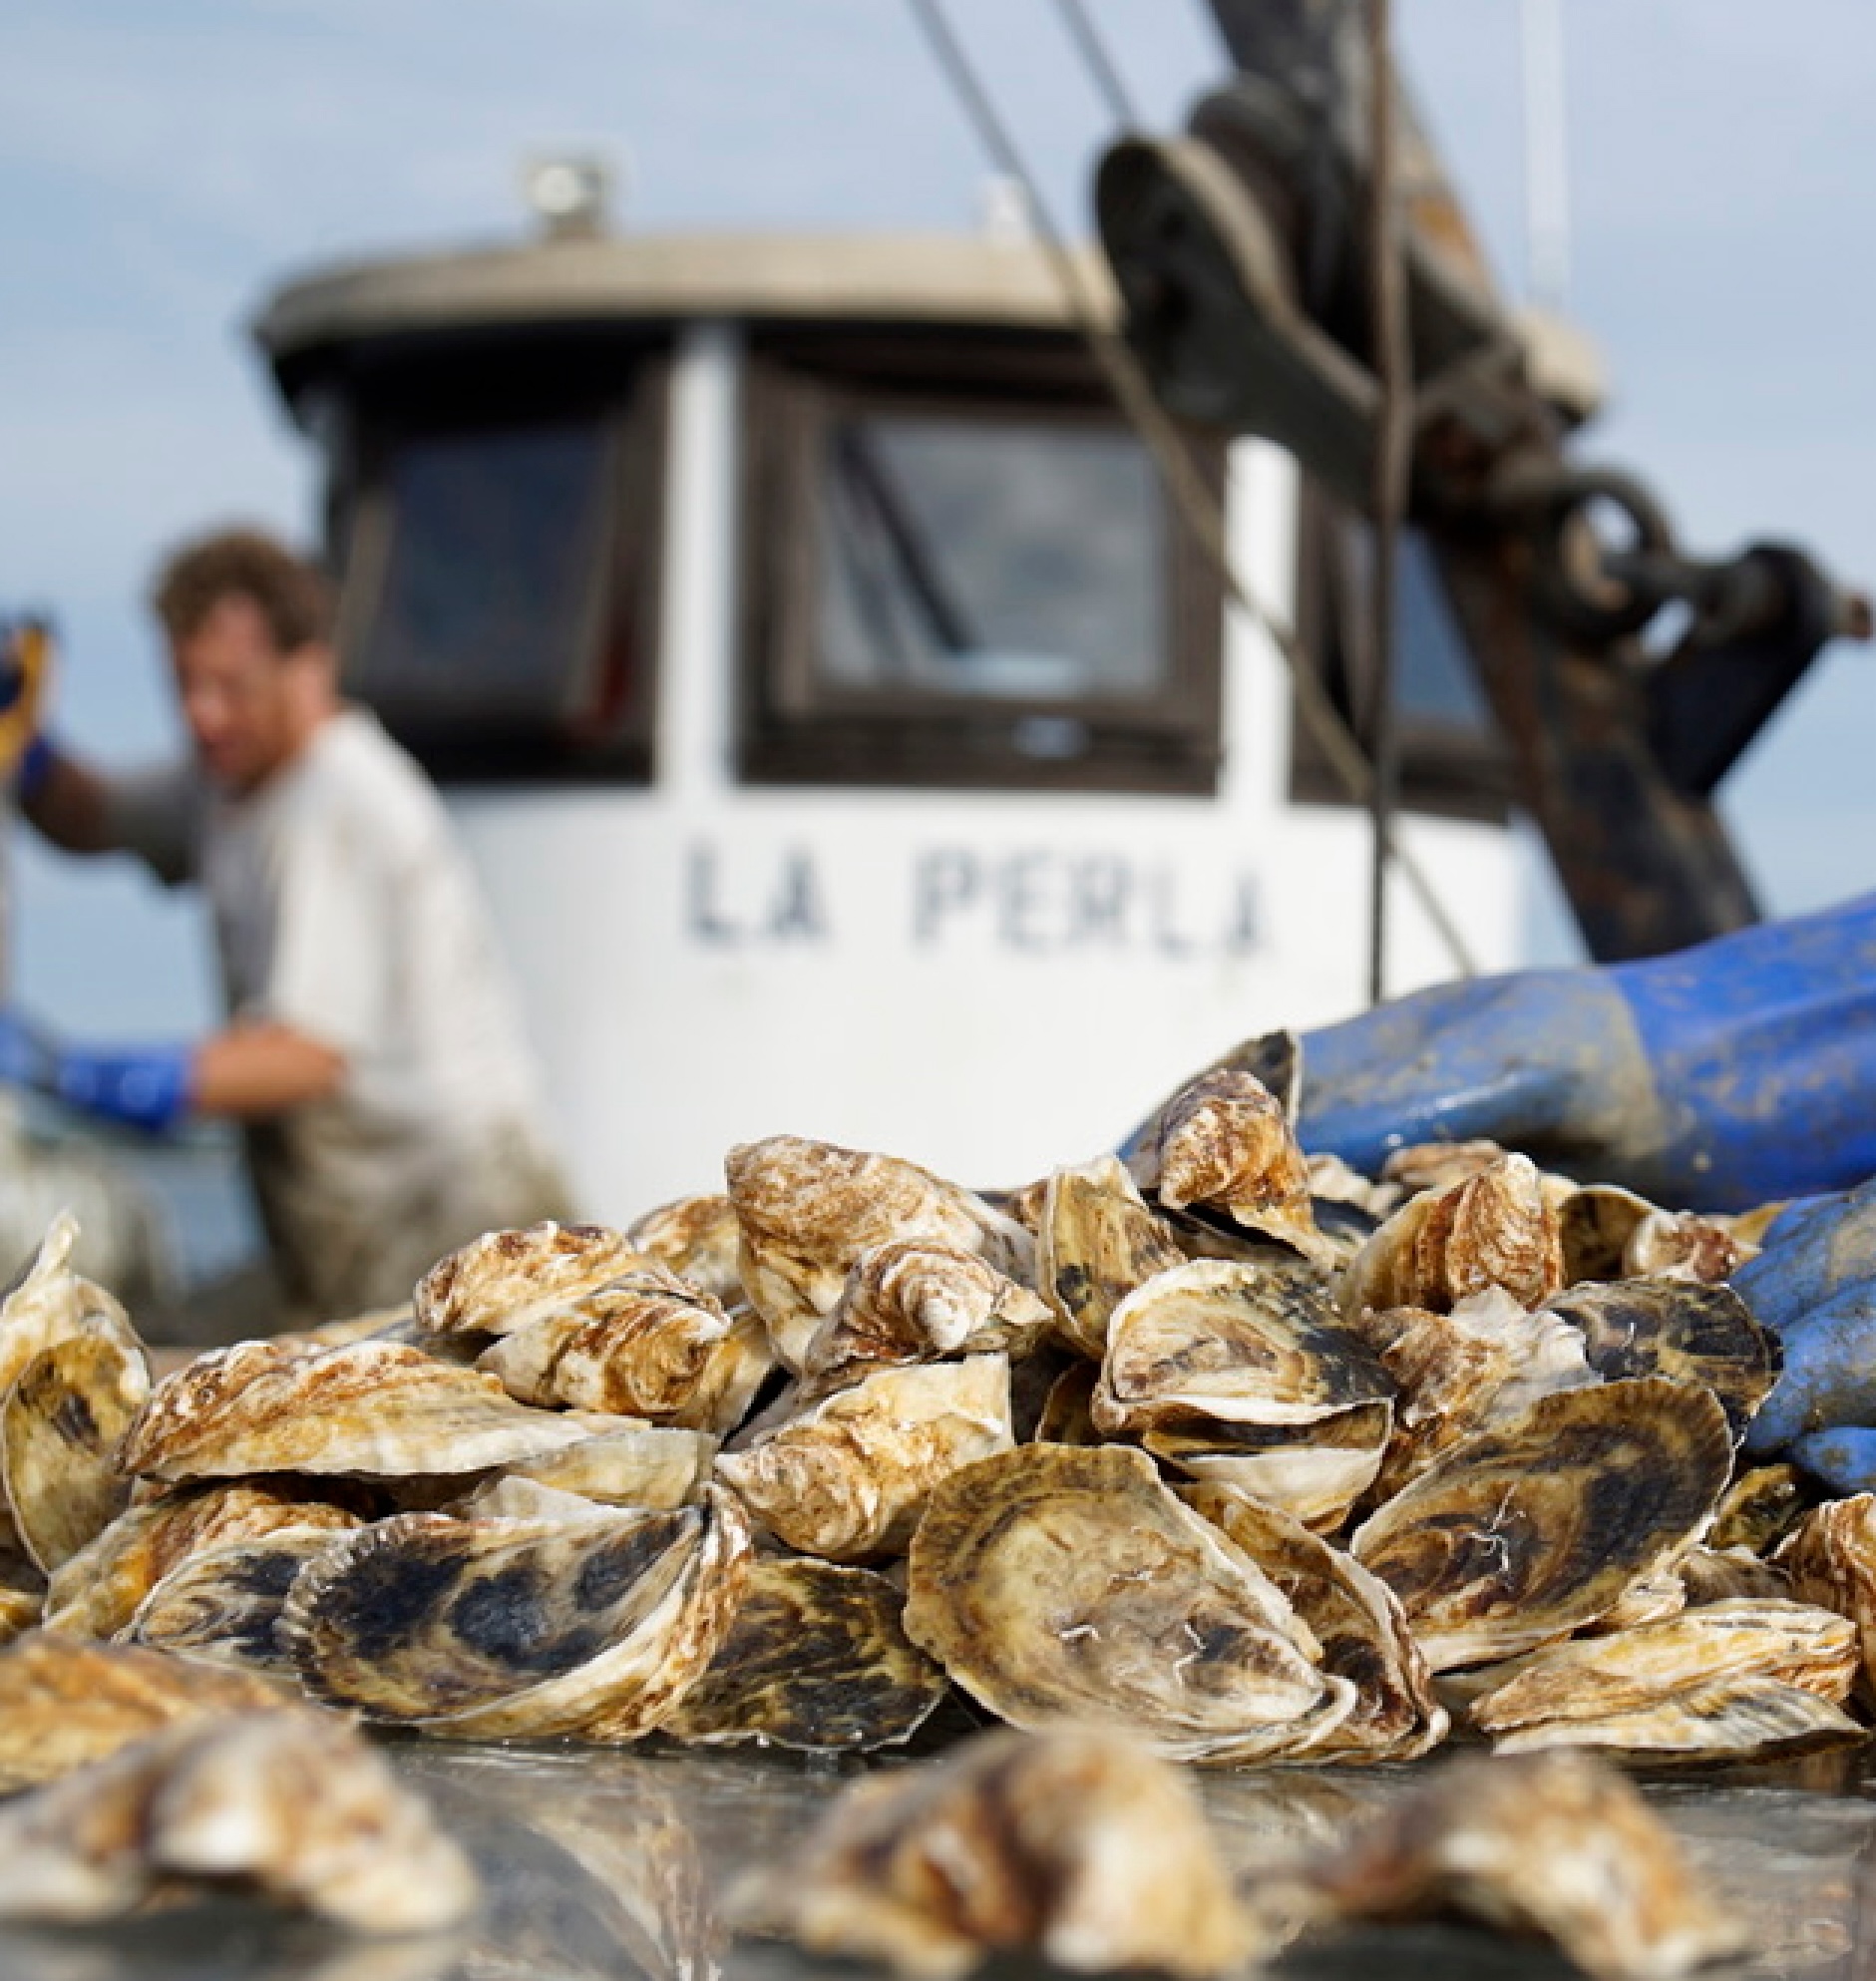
{"type": "Point", "coordinates": [249, 628]}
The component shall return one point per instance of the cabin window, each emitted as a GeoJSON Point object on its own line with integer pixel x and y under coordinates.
{"type": "Point", "coordinates": [950, 587]}
{"type": "Point", "coordinates": [1452, 759]}
{"type": "Point", "coordinates": [498, 565]}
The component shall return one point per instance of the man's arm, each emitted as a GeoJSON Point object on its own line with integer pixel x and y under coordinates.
{"type": "Point", "coordinates": [69, 803]}
{"type": "Point", "coordinates": [251, 1071]}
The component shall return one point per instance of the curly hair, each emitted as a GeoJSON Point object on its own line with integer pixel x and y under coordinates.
{"type": "Point", "coordinates": [292, 596]}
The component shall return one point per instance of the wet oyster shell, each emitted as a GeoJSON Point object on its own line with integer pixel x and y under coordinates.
{"type": "Point", "coordinates": [1831, 1560]}
{"type": "Point", "coordinates": [1494, 1229]}
{"type": "Point", "coordinates": [1059, 1585]}
{"type": "Point", "coordinates": [1074, 1846]}
{"type": "Point", "coordinates": [1313, 1471]}
{"type": "Point", "coordinates": [807, 1210]}
{"type": "Point", "coordinates": [291, 1803]}
{"type": "Point", "coordinates": [97, 1590]}
{"type": "Point", "coordinates": [1233, 1343]}
{"type": "Point", "coordinates": [1225, 1142]}
{"type": "Point", "coordinates": [59, 1431]}
{"type": "Point", "coordinates": [1098, 1241]}
{"type": "Point", "coordinates": [1353, 1616]}
{"type": "Point", "coordinates": [634, 1464]}
{"type": "Point", "coordinates": [521, 1628]}
{"type": "Point", "coordinates": [1460, 1372]}
{"type": "Point", "coordinates": [375, 1410]}
{"type": "Point", "coordinates": [914, 1300]}
{"type": "Point", "coordinates": [1537, 1526]}
{"type": "Point", "coordinates": [1631, 1671]}
{"type": "Point", "coordinates": [1559, 1845]}
{"type": "Point", "coordinates": [65, 1702]}
{"type": "Point", "coordinates": [505, 1279]}
{"type": "Point", "coordinates": [816, 1660]}
{"type": "Point", "coordinates": [700, 1240]}
{"type": "Point", "coordinates": [224, 1603]}
{"type": "Point", "coordinates": [644, 1345]}
{"type": "Point", "coordinates": [1696, 1334]}
{"type": "Point", "coordinates": [848, 1478]}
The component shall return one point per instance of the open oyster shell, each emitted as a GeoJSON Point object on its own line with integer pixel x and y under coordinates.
{"type": "Point", "coordinates": [1313, 1471]}
{"type": "Point", "coordinates": [1225, 1142]}
{"type": "Point", "coordinates": [59, 1431]}
{"type": "Point", "coordinates": [1668, 1326]}
{"type": "Point", "coordinates": [291, 1803]}
{"type": "Point", "coordinates": [644, 1345]}
{"type": "Point", "coordinates": [375, 1410]}
{"type": "Point", "coordinates": [1494, 1229]}
{"type": "Point", "coordinates": [817, 1660]}
{"type": "Point", "coordinates": [848, 1478]}
{"type": "Point", "coordinates": [1098, 1241]}
{"type": "Point", "coordinates": [1235, 1344]}
{"type": "Point", "coordinates": [513, 1629]}
{"type": "Point", "coordinates": [65, 1702]}
{"type": "Point", "coordinates": [504, 1279]}
{"type": "Point", "coordinates": [1537, 1526]}
{"type": "Point", "coordinates": [1075, 1846]}
{"type": "Point", "coordinates": [917, 1300]}
{"type": "Point", "coordinates": [807, 1211]}
{"type": "Point", "coordinates": [700, 1240]}
{"type": "Point", "coordinates": [1354, 1617]}
{"type": "Point", "coordinates": [1558, 1845]}
{"type": "Point", "coordinates": [1059, 1585]}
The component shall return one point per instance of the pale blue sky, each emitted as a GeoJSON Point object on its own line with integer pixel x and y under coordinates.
{"type": "Point", "coordinates": [161, 165]}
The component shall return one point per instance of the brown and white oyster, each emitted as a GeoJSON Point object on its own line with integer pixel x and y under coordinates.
{"type": "Point", "coordinates": [1098, 1241]}
{"type": "Point", "coordinates": [1075, 1846]}
{"type": "Point", "coordinates": [59, 1431]}
{"type": "Point", "coordinates": [1314, 1472]}
{"type": "Point", "coordinates": [848, 1478]}
{"type": "Point", "coordinates": [700, 1240]}
{"type": "Point", "coordinates": [626, 1464]}
{"type": "Point", "coordinates": [1062, 1586]}
{"type": "Point", "coordinates": [1831, 1560]}
{"type": "Point", "coordinates": [1537, 1526]}
{"type": "Point", "coordinates": [504, 1279]}
{"type": "Point", "coordinates": [224, 1603]}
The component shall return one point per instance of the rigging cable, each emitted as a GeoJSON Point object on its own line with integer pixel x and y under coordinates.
{"type": "Point", "coordinates": [1191, 496]}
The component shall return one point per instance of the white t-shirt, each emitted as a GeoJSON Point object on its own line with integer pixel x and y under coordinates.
{"type": "Point", "coordinates": [344, 908]}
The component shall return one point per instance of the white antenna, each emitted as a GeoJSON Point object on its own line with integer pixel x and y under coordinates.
{"type": "Point", "coordinates": [1546, 156]}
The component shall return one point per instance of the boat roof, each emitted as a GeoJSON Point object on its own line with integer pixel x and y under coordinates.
{"type": "Point", "coordinates": [865, 278]}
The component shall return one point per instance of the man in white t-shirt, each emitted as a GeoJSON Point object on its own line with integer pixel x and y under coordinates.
{"type": "Point", "coordinates": [372, 1053]}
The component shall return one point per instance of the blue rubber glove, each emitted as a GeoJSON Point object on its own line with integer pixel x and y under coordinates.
{"type": "Point", "coordinates": [1722, 1076]}
{"type": "Point", "coordinates": [146, 1088]}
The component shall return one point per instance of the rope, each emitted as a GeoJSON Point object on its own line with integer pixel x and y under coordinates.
{"type": "Point", "coordinates": [1190, 493]}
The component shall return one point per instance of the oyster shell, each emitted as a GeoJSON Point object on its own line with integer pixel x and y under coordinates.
{"type": "Point", "coordinates": [22, 1595]}
{"type": "Point", "coordinates": [1461, 1372]}
{"type": "Point", "coordinates": [848, 1478]}
{"type": "Point", "coordinates": [1716, 1575]}
{"type": "Point", "coordinates": [1698, 1333]}
{"type": "Point", "coordinates": [505, 1629]}
{"type": "Point", "coordinates": [375, 1410]}
{"type": "Point", "coordinates": [1353, 1616]}
{"type": "Point", "coordinates": [807, 1210]}
{"type": "Point", "coordinates": [700, 1240]}
{"type": "Point", "coordinates": [65, 1702]}
{"type": "Point", "coordinates": [1314, 1471]}
{"type": "Point", "coordinates": [634, 1464]}
{"type": "Point", "coordinates": [1559, 1845]}
{"type": "Point", "coordinates": [1761, 1508]}
{"type": "Point", "coordinates": [1630, 1672]}
{"type": "Point", "coordinates": [914, 1300]}
{"type": "Point", "coordinates": [1537, 1526]}
{"type": "Point", "coordinates": [52, 1303]}
{"type": "Point", "coordinates": [224, 1603]}
{"type": "Point", "coordinates": [816, 1659]}
{"type": "Point", "coordinates": [292, 1803]}
{"type": "Point", "coordinates": [1067, 1409]}
{"type": "Point", "coordinates": [1333, 1181]}
{"type": "Point", "coordinates": [1724, 1719]}
{"type": "Point", "coordinates": [1225, 1142]}
{"type": "Point", "coordinates": [1596, 1224]}
{"type": "Point", "coordinates": [1098, 1241]}
{"type": "Point", "coordinates": [1233, 1344]}
{"type": "Point", "coordinates": [1494, 1229]}
{"type": "Point", "coordinates": [1076, 1847]}
{"type": "Point", "coordinates": [97, 1591]}
{"type": "Point", "coordinates": [1060, 1585]}
{"type": "Point", "coordinates": [1831, 1560]}
{"type": "Point", "coordinates": [59, 1429]}
{"type": "Point", "coordinates": [1683, 1245]}
{"type": "Point", "coordinates": [504, 1279]}
{"type": "Point", "coordinates": [1438, 1165]}
{"type": "Point", "coordinates": [644, 1345]}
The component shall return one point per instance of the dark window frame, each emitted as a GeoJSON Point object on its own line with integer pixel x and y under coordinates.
{"type": "Point", "coordinates": [796, 727]}
{"type": "Point", "coordinates": [600, 727]}
{"type": "Point", "coordinates": [1446, 770]}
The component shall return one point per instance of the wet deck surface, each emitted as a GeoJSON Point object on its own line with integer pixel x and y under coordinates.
{"type": "Point", "coordinates": [618, 1864]}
